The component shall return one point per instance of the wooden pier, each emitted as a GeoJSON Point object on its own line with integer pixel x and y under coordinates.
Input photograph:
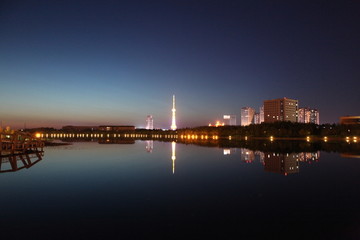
{"type": "Point", "coordinates": [16, 162]}
{"type": "Point", "coordinates": [16, 143]}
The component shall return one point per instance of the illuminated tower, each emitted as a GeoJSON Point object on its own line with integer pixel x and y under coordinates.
{"type": "Point", "coordinates": [173, 110]}
{"type": "Point", "coordinates": [261, 114]}
{"type": "Point", "coordinates": [247, 116]}
{"type": "Point", "coordinates": [173, 155]}
{"type": "Point", "coordinates": [149, 122]}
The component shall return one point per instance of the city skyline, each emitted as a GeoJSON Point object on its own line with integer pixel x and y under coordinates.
{"type": "Point", "coordinates": [96, 63]}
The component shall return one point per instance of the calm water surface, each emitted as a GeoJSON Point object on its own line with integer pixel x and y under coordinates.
{"type": "Point", "coordinates": [168, 190]}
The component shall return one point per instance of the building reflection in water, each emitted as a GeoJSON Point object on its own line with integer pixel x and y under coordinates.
{"type": "Point", "coordinates": [261, 156]}
{"type": "Point", "coordinates": [13, 163]}
{"type": "Point", "coordinates": [229, 151]}
{"type": "Point", "coordinates": [281, 163]}
{"type": "Point", "coordinates": [149, 146]}
{"type": "Point", "coordinates": [309, 157]}
{"type": "Point", "coordinates": [247, 156]}
{"type": "Point", "coordinates": [173, 155]}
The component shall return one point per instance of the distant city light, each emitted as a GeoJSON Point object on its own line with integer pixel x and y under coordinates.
{"type": "Point", "coordinates": [217, 124]}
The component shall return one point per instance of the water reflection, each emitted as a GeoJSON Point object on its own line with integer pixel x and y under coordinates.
{"type": "Point", "coordinates": [173, 155]}
{"type": "Point", "coordinates": [208, 192]}
{"type": "Point", "coordinates": [247, 156]}
{"type": "Point", "coordinates": [261, 156]}
{"type": "Point", "coordinates": [229, 147]}
{"type": "Point", "coordinates": [229, 151]}
{"type": "Point", "coordinates": [282, 157]}
{"type": "Point", "coordinates": [309, 157]}
{"type": "Point", "coordinates": [115, 141]}
{"type": "Point", "coordinates": [281, 163]}
{"type": "Point", "coordinates": [13, 163]}
{"type": "Point", "coordinates": [149, 146]}
{"type": "Point", "coordinates": [349, 155]}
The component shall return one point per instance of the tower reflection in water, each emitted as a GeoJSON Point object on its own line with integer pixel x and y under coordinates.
{"type": "Point", "coordinates": [173, 155]}
{"type": "Point", "coordinates": [149, 146]}
{"type": "Point", "coordinates": [282, 163]}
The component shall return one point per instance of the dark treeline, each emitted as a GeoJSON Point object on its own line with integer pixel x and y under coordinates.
{"type": "Point", "coordinates": [277, 129]}
{"type": "Point", "coordinates": [263, 130]}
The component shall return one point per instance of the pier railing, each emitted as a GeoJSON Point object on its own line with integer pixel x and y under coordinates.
{"type": "Point", "coordinates": [12, 142]}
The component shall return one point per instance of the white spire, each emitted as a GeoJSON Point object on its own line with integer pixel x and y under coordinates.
{"type": "Point", "coordinates": [173, 101]}
{"type": "Point", "coordinates": [173, 110]}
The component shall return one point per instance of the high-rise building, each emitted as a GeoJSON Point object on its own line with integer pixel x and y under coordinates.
{"type": "Point", "coordinates": [230, 120]}
{"type": "Point", "coordinates": [303, 115]}
{"type": "Point", "coordinates": [315, 116]}
{"type": "Point", "coordinates": [261, 113]}
{"type": "Point", "coordinates": [247, 116]}
{"type": "Point", "coordinates": [173, 119]}
{"type": "Point", "coordinates": [149, 122]}
{"type": "Point", "coordinates": [257, 118]}
{"type": "Point", "coordinates": [308, 115]}
{"type": "Point", "coordinates": [282, 109]}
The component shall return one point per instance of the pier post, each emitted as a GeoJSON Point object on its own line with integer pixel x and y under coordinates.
{"type": "Point", "coordinates": [13, 163]}
{"type": "Point", "coordinates": [12, 145]}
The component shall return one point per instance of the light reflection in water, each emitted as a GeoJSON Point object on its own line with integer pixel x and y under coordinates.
{"type": "Point", "coordinates": [229, 151]}
{"type": "Point", "coordinates": [149, 146]}
{"type": "Point", "coordinates": [282, 163]}
{"type": "Point", "coordinates": [349, 155]}
{"type": "Point", "coordinates": [173, 155]}
{"type": "Point", "coordinates": [247, 156]}
{"type": "Point", "coordinates": [209, 188]}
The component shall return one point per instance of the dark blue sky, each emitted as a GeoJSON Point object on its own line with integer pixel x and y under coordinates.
{"type": "Point", "coordinates": [114, 62]}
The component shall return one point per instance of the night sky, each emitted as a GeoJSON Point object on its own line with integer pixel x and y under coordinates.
{"type": "Point", "coordinates": [115, 62]}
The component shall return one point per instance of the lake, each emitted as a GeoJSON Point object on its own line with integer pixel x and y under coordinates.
{"type": "Point", "coordinates": [171, 190]}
